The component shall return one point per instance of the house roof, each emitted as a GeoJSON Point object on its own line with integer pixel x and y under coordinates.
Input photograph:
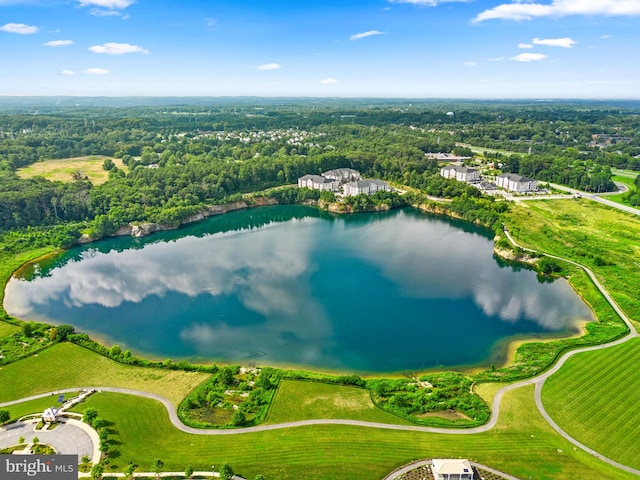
{"type": "Point", "coordinates": [460, 169]}
{"type": "Point", "coordinates": [446, 466]}
{"type": "Point", "coordinates": [316, 179]}
{"type": "Point", "coordinates": [366, 183]}
{"type": "Point", "coordinates": [341, 172]}
{"type": "Point", "coordinates": [516, 178]}
{"type": "Point", "coordinates": [50, 412]}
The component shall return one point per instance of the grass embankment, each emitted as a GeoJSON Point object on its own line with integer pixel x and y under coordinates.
{"type": "Point", "coordinates": [594, 398]}
{"type": "Point", "coordinates": [522, 444]}
{"type": "Point", "coordinates": [63, 170]}
{"type": "Point", "coordinates": [305, 400]}
{"type": "Point", "coordinates": [7, 329]}
{"type": "Point", "coordinates": [620, 197]}
{"type": "Point", "coordinates": [66, 365]}
{"type": "Point", "coordinates": [602, 238]}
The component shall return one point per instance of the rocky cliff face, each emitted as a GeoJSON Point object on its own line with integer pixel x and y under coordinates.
{"type": "Point", "coordinates": [147, 228]}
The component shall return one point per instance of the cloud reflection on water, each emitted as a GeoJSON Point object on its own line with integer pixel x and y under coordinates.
{"type": "Point", "coordinates": [268, 271]}
{"type": "Point", "coordinates": [429, 258]}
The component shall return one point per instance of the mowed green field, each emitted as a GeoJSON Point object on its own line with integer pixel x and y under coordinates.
{"type": "Point", "coordinates": [301, 400]}
{"type": "Point", "coordinates": [595, 397]}
{"type": "Point", "coordinates": [521, 444]}
{"type": "Point", "coordinates": [66, 365]}
{"type": "Point", "coordinates": [7, 329]}
{"type": "Point", "coordinates": [62, 169]}
{"type": "Point", "coordinates": [588, 233]}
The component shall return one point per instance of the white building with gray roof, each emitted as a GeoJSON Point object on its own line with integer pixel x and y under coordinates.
{"type": "Point", "coordinates": [318, 182]}
{"type": "Point", "coordinates": [368, 187]}
{"type": "Point", "coordinates": [343, 175]}
{"type": "Point", "coordinates": [462, 174]}
{"type": "Point", "coordinates": [513, 182]}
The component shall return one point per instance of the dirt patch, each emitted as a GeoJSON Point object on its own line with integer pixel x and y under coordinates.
{"type": "Point", "coordinates": [350, 403]}
{"type": "Point", "coordinates": [446, 414]}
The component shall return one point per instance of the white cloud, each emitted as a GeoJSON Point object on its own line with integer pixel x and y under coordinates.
{"type": "Point", "coordinates": [268, 66]}
{"type": "Point", "coordinates": [496, 59]}
{"type": "Point", "coordinates": [68, 72]}
{"type": "Point", "coordinates": [58, 43]}
{"type": "Point", "coordinates": [114, 4]}
{"type": "Point", "coordinates": [470, 64]}
{"type": "Point", "coordinates": [605, 37]}
{"type": "Point", "coordinates": [211, 23]}
{"type": "Point", "coordinates": [525, 45]}
{"type": "Point", "coordinates": [529, 57]}
{"type": "Point", "coordinates": [370, 33]}
{"type": "Point", "coordinates": [96, 71]}
{"type": "Point", "coordinates": [329, 81]}
{"type": "Point", "coordinates": [519, 10]}
{"type": "Point", "coordinates": [20, 28]}
{"type": "Point", "coordinates": [427, 3]}
{"type": "Point", "coordinates": [112, 48]}
{"type": "Point", "coordinates": [565, 42]}
{"type": "Point", "coordinates": [98, 12]}
{"type": "Point", "coordinates": [107, 8]}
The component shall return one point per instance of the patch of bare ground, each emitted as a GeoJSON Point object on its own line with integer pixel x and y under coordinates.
{"type": "Point", "coordinates": [446, 414]}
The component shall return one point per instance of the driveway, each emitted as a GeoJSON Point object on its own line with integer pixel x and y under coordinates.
{"type": "Point", "coordinates": [66, 438]}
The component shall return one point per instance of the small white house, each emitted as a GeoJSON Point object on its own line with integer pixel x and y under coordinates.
{"type": "Point", "coordinates": [368, 187]}
{"type": "Point", "coordinates": [516, 183]}
{"type": "Point", "coordinates": [318, 182]}
{"type": "Point", "coordinates": [451, 469]}
{"type": "Point", "coordinates": [462, 174]}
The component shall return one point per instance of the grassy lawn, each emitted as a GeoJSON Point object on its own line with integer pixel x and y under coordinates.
{"type": "Point", "coordinates": [594, 397]}
{"type": "Point", "coordinates": [300, 400]}
{"type": "Point", "coordinates": [522, 444]}
{"type": "Point", "coordinates": [7, 329]}
{"type": "Point", "coordinates": [66, 365]}
{"type": "Point", "coordinates": [62, 169]}
{"type": "Point", "coordinates": [602, 238]}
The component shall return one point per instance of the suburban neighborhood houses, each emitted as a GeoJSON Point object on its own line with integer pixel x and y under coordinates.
{"type": "Point", "coordinates": [346, 179]}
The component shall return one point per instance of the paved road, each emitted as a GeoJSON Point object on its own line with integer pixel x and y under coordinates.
{"type": "Point", "coordinates": [600, 198]}
{"type": "Point", "coordinates": [67, 438]}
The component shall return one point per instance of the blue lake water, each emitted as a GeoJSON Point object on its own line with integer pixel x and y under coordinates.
{"type": "Point", "coordinates": [290, 285]}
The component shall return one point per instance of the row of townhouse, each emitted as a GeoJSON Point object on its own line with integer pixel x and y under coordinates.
{"type": "Point", "coordinates": [347, 179]}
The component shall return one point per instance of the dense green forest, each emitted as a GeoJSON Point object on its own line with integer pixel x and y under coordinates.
{"type": "Point", "coordinates": [181, 158]}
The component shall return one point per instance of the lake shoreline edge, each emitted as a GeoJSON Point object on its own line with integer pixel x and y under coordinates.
{"type": "Point", "coordinates": [508, 346]}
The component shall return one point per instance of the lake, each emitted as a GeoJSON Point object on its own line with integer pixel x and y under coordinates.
{"type": "Point", "coordinates": [291, 285]}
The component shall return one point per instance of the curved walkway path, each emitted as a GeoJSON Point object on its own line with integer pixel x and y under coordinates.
{"type": "Point", "coordinates": [538, 381]}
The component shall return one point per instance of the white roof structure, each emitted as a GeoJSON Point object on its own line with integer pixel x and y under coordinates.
{"type": "Point", "coordinates": [50, 414]}
{"type": "Point", "coordinates": [446, 468]}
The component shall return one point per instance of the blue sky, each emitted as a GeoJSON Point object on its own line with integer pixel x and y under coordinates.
{"type": "Point", "coordinates": [379, 48]}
